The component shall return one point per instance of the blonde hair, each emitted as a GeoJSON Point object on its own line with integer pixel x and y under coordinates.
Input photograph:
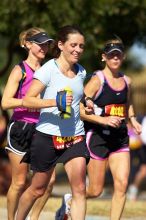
{"type": "Point", "coordinates": [116, 39]}
{"type": "Point", "coordinates": [28, 33]}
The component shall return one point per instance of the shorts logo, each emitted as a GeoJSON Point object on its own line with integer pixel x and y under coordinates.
{"type": "Point", "coordinates": [116, 110]}
{"type": "Point", "coordinates": [61, 143]}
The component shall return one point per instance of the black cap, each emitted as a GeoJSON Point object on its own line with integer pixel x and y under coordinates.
{"type": "Point", "coordinates": [113, 47]}
{"type": "Point", "coordinates": [40, 38]}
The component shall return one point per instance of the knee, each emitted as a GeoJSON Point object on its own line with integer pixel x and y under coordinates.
{"type": "Point", "coordinates": [18, 185]}
{"type": "Point", "coordinates": [38, 192]}
{"type": "Point", "coordinates": [79, 189]}
{"type": "Point", "coordinates": [121, 185]}
{"type": "Point", "coordinates": [93, 192]}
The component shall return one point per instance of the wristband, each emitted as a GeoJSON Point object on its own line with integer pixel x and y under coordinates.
{"type": "Point", "coordinates": [88, 98]}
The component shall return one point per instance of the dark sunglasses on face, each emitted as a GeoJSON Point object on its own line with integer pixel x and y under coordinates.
{"type": "Point", "coordinates": [114, 54]}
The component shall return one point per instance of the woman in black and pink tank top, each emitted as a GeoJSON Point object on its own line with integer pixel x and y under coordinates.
{"type": "Point", "coordinates": [22, 124]}
{"type": "Point", "coordinates": [108, 107]}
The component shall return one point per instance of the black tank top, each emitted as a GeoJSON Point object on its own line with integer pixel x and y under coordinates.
{"type": "Point", "coordinates": [108, 96]}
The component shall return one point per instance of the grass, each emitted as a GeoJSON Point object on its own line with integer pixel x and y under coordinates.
{"type": "Point", "coordinates": [96, 207]}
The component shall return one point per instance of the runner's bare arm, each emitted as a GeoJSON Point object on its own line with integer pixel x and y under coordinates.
{"type": "Point", "coordinates": [8, 99]}
{"type": "Point", "coordinates": [131, 114]}
{"type": "Point", "coordinates": [32, 100]}
{"type": "Point", "coordinates": [92, 86]}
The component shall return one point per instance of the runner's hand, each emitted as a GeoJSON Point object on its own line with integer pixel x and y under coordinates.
{"type": "Point", "coordinates": [89, 106]}
{"type": "Point", "coordinates": [113, 121]}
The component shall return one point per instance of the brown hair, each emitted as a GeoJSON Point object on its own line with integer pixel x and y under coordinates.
{"type": "Point", "coordinates": [115, 40]}
{"type": "Point", "coordinates": [63, 37]}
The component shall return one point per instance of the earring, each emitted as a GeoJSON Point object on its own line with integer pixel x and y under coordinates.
{"type": "Point", "coordinates": [103, 60]}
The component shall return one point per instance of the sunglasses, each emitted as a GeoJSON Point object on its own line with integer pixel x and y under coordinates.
{"type": "Point", "coordinates": [113, 54]}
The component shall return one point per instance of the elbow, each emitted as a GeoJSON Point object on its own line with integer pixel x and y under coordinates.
{"type": "Point", "coordinates": [4, 105]}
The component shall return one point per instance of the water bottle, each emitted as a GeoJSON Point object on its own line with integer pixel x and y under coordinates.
{"type": "Point", "coordinates": [68, 107]}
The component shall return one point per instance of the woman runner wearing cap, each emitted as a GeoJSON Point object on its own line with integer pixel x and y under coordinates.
{"type": "Point", "coordinates": [23, 120]}
{"type": "Point", "coordinates": [106, 128]}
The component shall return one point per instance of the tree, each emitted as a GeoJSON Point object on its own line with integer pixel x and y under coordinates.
{"type": "Point", "coordinates": [98, 19]}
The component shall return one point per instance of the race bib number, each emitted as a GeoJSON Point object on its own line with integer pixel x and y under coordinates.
{"type": "Point", "coordinates": [61, 143]}
{"type": "Point", "coordinates": [115, 110]}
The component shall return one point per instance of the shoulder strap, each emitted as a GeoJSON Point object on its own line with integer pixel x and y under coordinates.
{"type": "Point", "coordinates": [101, 77]}
{"type": "Point", "coordinates": [126, 80]}
{"type": "Point", "coordinates": [21, 64]}
{"type": "Point", "coordinates": [23, 71]}
{"type": "Point", "coordinates": [99, 73]}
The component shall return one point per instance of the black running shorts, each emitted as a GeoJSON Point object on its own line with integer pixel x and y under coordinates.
{"type": "Point", "coordinates": [44, 156]}
{"type": "Point", "coordinates": [19, 136]}
{"type": "Point", "coordinates": [103, 141]}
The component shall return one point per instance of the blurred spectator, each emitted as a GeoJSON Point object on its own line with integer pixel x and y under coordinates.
{"type": "Point", "coordinates": [138, 146]}
{"type": "Point", "coordinates": [5, 171]}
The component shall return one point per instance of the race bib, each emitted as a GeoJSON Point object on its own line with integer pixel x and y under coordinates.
{"type": "Point", "coordinates": [61, 143]}
{"type": "Point", "coordinates": [115, 110]}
